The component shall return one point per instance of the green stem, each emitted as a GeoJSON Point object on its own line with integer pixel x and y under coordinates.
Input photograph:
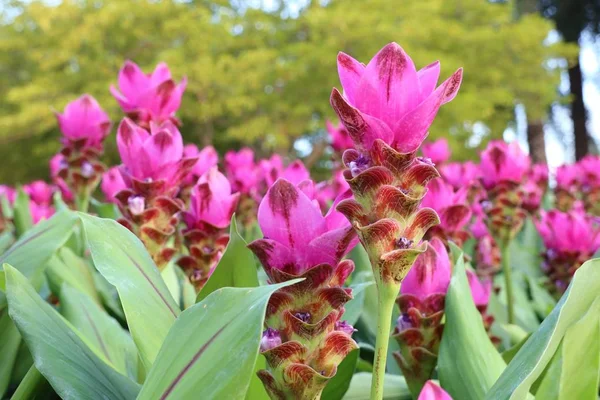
{"type": "Point", "coordinates": [508, 282]}
{"type": "Point", "coordinates": [32, 383]}
{"type": "Point", "coordinates": [386, 296]}
{"type": "Point", "coordinates": [82, 202]}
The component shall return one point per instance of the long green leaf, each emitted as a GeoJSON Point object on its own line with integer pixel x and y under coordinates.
{"type": "Point", "coordinates": [468, 362]}
{"type": "Point", "coordinates": [60, 354]}
{"type": "Point", "coordinates": [211, 350]}
{"type": "Point", "coordinates": [21, 213]}
{"type": "Point", "coordinates": [10, 339]}
{"type": "Point", "coordinates": [101, 330]}
{"type": "Point", "coordinates": [123, 260]}
{"type": "Point", "coordinates": [235, 269]}
{"type": "Point", "coordinates": [66, 267]}
{"type": "Point", "coordinates": [531, 360]}
{"type": "Point", "coordinates": [339, 384]}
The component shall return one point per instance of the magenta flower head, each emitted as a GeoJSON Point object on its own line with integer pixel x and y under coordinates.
{"type": "Point", "coordinates": [300, 242]}
{"type": "Point", "coordinates": [340, 138]}
{"type": "Point", "coordinates": [8, 192]}
{"type": "Point", "coordinates": [503, 162]}
{"type": "Point", "coordinates": [431, 391]}
{"type": "Point", "coordinates": [389, 99]}
{"type": "Point", "coordinates": [58, 167]}
{"type": "Point", "coordinates": [430, 274]}
{"type": "Point", "coordinates": [152, 161]}
{"type": "Point", "coordinates": [151, 97]}
{"type": "Point", "coordinates": [460, 175]}
{"type": "Point", "coordinates": [84, 121]}
{"type": "Point", "coordinates": [39, 192]}
{"type": "Point", "coordinates": [438, 152]}
{"type": "Point", "coordinates": [207, 158]}
{"type": "Point", "coordinates": [480, 290]}
{"type": "Point", "coordinates": [242, 171]}
{"type": "Point", "coordinates": [211, 201]}
{"type": "Point", "coordinates": [451, 206]}
{"type": "Point", "coordinates": [112, 183]}
{"type": "Point", "coordinates": [40, 212]}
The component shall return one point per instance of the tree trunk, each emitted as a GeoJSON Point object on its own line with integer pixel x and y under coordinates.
{"type": "Point", "coordinates": [536, 141]}
{"type": "Point", "coordinates": [578, 112]}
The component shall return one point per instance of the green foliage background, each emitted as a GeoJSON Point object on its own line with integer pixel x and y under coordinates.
{"type": "Point", "coordinates": [260, 74]}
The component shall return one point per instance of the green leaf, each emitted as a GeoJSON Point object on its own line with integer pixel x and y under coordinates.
{"type": "Point", "coordinates": [10, 339]}
{"type": "Point", "coordinates": [394, 388]}
{"type": "Point", "coordinates": [549, 386]}
{"type": "Point", "coordinates": [105, 210]}
{"type": "Point", "coordinates": [123, 260]}
{"type": "Point", "coordinates": [256, 389]}
{"type": "Point", "coordinates": [188, 292]}
{"type": "Point", "coordinates": [211, 350]}
{"type": "Point", "coordinates": [236, 268]}
{"type": "Point", "coordinates": [21, 213]}
{"type": "Point", "coordinates": [33, 386]}
{"type": "Point", "coordinates": [66, 267]}
{"type": "Point", "coordinates": [339, 384]}
{"type": "Point", "coordinates": [354, 308]}
{"type": "Point", "coordinates": [6, 240]}
{"type": "Point", "coordinates": [101, 330]}
{"type": "Point", "coordinates": [60, 354]}
{"type": "Point", "coordinates": [468, 362]}
{"type": "Point", "coordinates": [581, 357]}
{"type": "Point", "coordinates": [529, 363]}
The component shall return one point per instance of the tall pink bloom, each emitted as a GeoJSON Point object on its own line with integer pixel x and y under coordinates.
{"type": "Point", "coordinates": [389, 99]}
{"type": "Point", "coordinates": [438, 152]}
{"type": "Point", "coordinates": [112, 183]}
{"type": "Point", "coordinates": [84, 120]}
{"type": "Point", "coordinates": [340, 138]}
{"type": "Point", "coordinates": [273, 169]}
{"type": "Point", "coordinates": [207, 158]}
{"type": "Point", "coordinates": [503, 162]}
{"type": "Point", "coordinates": [430, 274]}
{"type": "Point", "coordinates": [151, 97]}
{"type": "Point", "coordinates": [241, 170]}
{"type": "Point", "coordinates": [460, 175]}
{"type": "Point", "coordinates": [304, 340]}
{"type": "Point", "coordinates": [39, 192]}
{"type": "Point", "coordinates": [452, 209]}
{"type": "Point", "coordinates": [431, 391]}
{"type": "Point", "coordinates": [570, 239]}
{"type": "Point", "coordinates": [211, 207]}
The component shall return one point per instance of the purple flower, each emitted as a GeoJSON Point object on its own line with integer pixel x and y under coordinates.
{"type": "Point", "coordinates": [148, 97]}
{"type": "Point", "coordinates": [270, 339]}
{"type": "Point", "coordinates": [389, 99]}
{"type": "Point", "coordinates": [84, 119]}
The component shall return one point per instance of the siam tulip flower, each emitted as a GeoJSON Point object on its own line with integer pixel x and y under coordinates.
{"type": "Point", "coordinates": [387, 108]}
{"type": "Point", "coordinates": [58, 163]}
{"type": "Point", "coordinates": [152, 170]}
{"type": "Point", "coordinates": [460, 175]}
{"type": "Point", "coordinates": [532, 196]}
{"type": "Point", "coordinates": [590, 183]}
{"type": "Point", "coordinates": [539, 174]}
{"type": "Point", "coordinates": [241, 170]}
{"type": "Point", "coordinates": [273, 169]}
{"type": "Point", "coordinates": [9, 192]}
{"type": "Point", "coordinates": [481, 290]}
{"type": "Point", "coordinates": [112, 183]}
{"type": "Point", "coordinates": [211, 207]}
{"type": "Point", "coordinates": [84, 122]}
{"type": "Point", "coordinates": [39, 192]}
{"type": "Point", "coordinates": [568, 186]}
{"type": "Point", "coordinates": [207, 158]}
{"type": "Point", "coordinates": [419, 327]}
{"type": "Point", "coordinates": [84, 126]}
{"type": "Point", "coordinates": [147, 98]}
{"type": "Point", "coordinates": [431, 391]}
{"type": "Point", "coordinates": [304, 341]}
{"type": "Point", "coordinates": [40, 212]}
{"type": "Point", "coordinates": [570, 239]}
{"type": "Point", "coordinates": [328, 191]}
{"type": "Point", "coordinates": [438, 152]}
{"type": "Point", "coordinates": [340, 138]}
{"type": "Point", "coordinates": [451, 206]}
{"type": "Point", "coordinates": [503, 162]}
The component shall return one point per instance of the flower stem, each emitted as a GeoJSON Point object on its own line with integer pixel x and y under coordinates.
{"type": "Point", "coordinates": [386, 297]}
{"type": "Point", "coordinates": [508, 282]}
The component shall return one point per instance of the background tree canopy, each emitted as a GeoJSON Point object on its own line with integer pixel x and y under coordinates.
{"type": "Point", "coordinates": [261, 74]}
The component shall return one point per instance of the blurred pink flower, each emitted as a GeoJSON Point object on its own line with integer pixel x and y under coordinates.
{"type": "Point", "coordinates": [211, 201]}
{"type": "Point", "coordinates": [503, 162]}
{"type": "Point", "coordinates": [242, 171]}
{"type": "Point", "coordinates": [438, 152]}
{"type": "Point", "coordinates": [389, 99]}
{"type": "Point", "coordinates": [297, 236]}
{"type": "Point", "coordinates": [9, 192]}
{"type": "Point", "coordinates": [480, 290]}
{"type": "Point", "coordinates": [39, 192]}
{"type": "Point", "coordinates": [572, 232]}
{"type": "Point", "coordinates": [431, 391]}
{"type": "Point", "coordinates": [568, 176]}
{"type": "Point", "coordinates": [460, 174]}
{"type": "Point", "coordinates": [450, 205]}
{"type": "Point", "coordinates": [58, 164]}
{"type": "Point", "coordinates": [84, 119]}
{"type": "Point", "coordinates": [40, 212]}
{"type": "Point", "coordinates": [207, 158]}
{"type": "Point", "coordinates": [112, 183]}
{"type": "Point", "coordinates": [430, 273]}
{"type": "Point", "coordinates": [340, 139]}
{"type": "Point", "coordinates": [148, 97]}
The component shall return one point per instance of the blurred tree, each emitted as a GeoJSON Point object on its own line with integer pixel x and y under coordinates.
{"type": "Point", "coordinates": [260, 74]}
{"type": "Point", "coordinates": [572, 18]}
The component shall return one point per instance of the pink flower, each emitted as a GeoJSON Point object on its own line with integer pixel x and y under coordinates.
{"type": "Point", "coordinates": [40, 212]}
{"type": "Point", "coordinates": [460, 174]}
{"type": "Point", "coordinates": [207, 158]}
{"type": "Point", "coordinates": [539, 174]}
{"type": "Point", "coordinates": [112, 183]}
{"type": "Point", "coordinates": [572, 232]}
{"type": "Point", "coordinates": [241, 170]}
{"type": "Point", "coordinates": [272, 169]}
{"type": "Point", "coordinates": [58, 164]}
{"type": "Point", "coordinates": [148, 97]}
{"type": "Point", "coordinates": [297, 236]}
{"type": "Point", "coordinates": [450, 205]}
{"type": "Point", "coordinates": [568, 176]}
{"type": "Point", "coordinates": [532, 196]}
{"type": "Point", "coordinates": [431, 391]}
{"type": "Point", "coordinates": [480, 290]}
{"type": "Point", "coordinates": [84, 119]}
{"type": "Point", "coordinates": [9, 192]}
{"type": "Point", "coordinates": [340, 139]}
{"type": "Point", "coordinates": [503, 162]}
{"type": "Point", "coordinates": [211, 201]}
{"type": "Point", "coordinates": [150, 156]}
{"type": "Point", "coordinates": [328, 191]}
{"type": "Point", "coordinates": [430, 273]}
{"type": "Point", "coordinates": [39, 192]}
{"type": "Point", "coordinates": [438, 152]}
{"type": "Point", "coordinates": [389, 99]}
